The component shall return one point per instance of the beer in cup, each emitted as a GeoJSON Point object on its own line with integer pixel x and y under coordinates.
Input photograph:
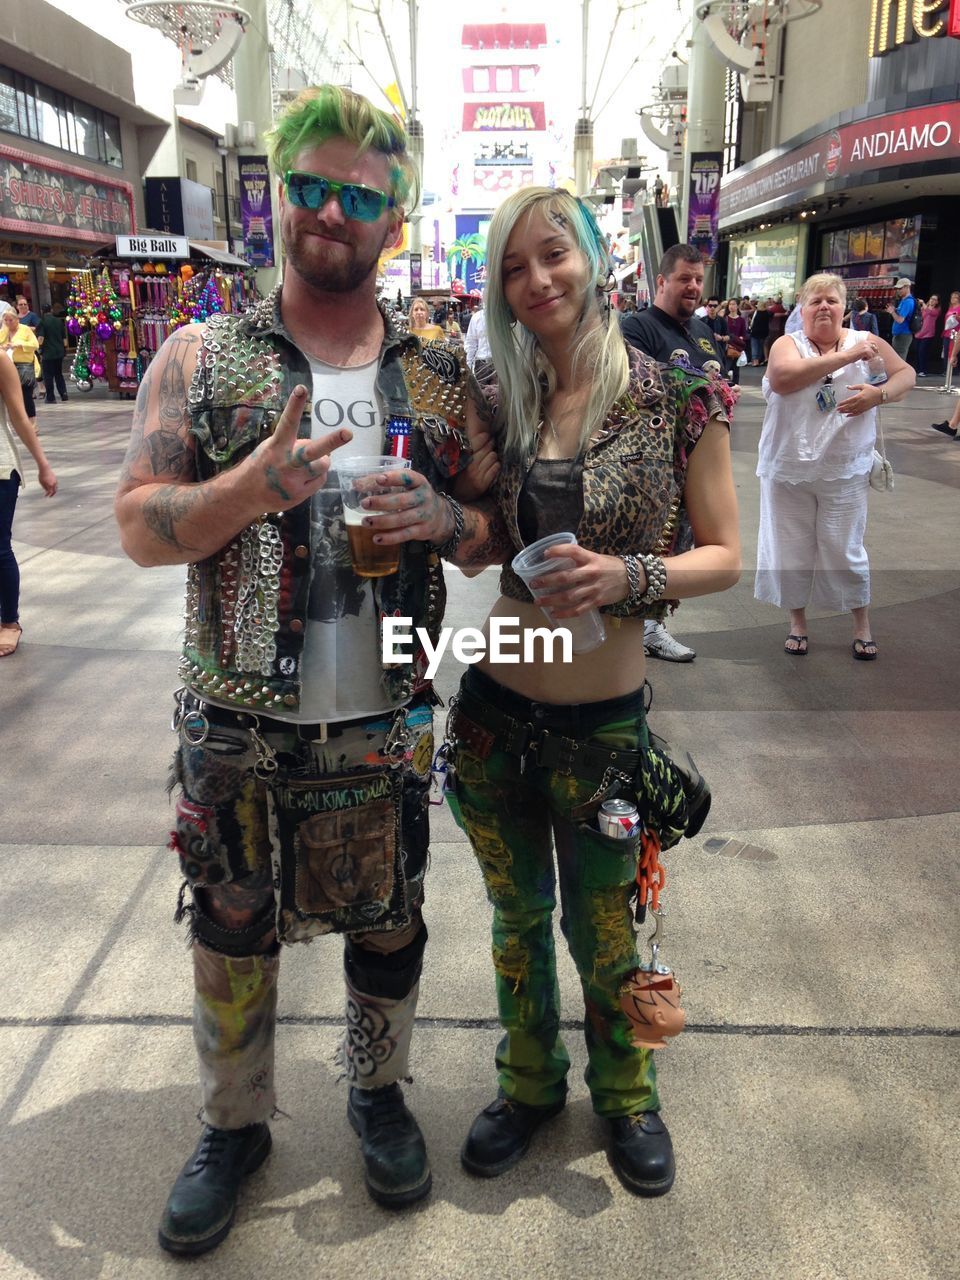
{"type": "Point", "coordinates": [359, 479]}
{"type": "Point", "coordinates": [586, 631]}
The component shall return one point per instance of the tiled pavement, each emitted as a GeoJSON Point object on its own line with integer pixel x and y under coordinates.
{"type": "Point", "coordinates": [814, 1097]}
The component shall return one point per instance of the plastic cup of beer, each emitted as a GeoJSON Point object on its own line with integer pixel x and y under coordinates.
{"type": "Point", "coordinates": [587, 632]}
{"type": "Point", "coordinates": [360, 477]}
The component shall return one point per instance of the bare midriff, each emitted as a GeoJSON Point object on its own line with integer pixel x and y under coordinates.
{"type": "Point", "coordinates": [616, 667]}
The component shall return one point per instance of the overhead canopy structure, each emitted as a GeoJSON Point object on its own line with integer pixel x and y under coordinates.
{"type": "Point", "coordinates": [219, 256]}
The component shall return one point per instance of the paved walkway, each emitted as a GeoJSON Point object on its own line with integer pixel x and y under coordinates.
{"type": "Point", "coordinates": [814, 1097]}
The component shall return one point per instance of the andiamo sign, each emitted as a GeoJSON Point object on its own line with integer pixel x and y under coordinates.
{"type": "Point", "coordinates": [868, 146]}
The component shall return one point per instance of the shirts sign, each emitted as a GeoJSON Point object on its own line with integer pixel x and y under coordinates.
{"type": "Point", "coordinates": [41, 197]}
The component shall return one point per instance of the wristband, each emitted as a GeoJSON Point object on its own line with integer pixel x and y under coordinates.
{"type": "Point", "coordinates": [634, 592]}
{"type": "Point", "coordinates": [448, 549]}
{"type": "Point", "coordinates": [883, 395]}
{"type": "Point", "coordinates": [656, 572]}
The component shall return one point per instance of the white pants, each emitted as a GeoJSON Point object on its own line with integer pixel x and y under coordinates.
{"type": "Point", "coordinates": [810, 546]}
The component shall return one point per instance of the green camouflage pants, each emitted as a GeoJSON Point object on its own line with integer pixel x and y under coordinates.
{"type": "Point", "coordinates": [513, 818]}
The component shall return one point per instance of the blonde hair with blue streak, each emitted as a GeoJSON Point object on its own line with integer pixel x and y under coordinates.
{"type": "Point", "coordinates": [518, 358]}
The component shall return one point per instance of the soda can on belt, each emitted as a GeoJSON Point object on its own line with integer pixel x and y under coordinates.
{"type": "Point", "coordinates": [619, 819]}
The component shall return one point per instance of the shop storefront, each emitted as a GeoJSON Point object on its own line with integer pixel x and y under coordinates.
{"type": "Point", "coordinates": [870, 193]}
{"type": "Point", "coordinates": [73, 146]}
{"type": "Point", "coordinates": [766, 264]}
{"type": "Point", "coordinates": [53, 215]}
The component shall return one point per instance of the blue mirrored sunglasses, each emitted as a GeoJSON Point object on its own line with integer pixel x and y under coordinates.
{"type": "Point", "coordinates": [310, 191]}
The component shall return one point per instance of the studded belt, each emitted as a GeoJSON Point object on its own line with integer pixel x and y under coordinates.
{"type": "Point", "coordinates": [481, 728]}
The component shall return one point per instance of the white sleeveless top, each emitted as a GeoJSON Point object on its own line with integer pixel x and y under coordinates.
{"type": "Point", "coordinates": [799, 443]}
{"type": "Point", "coordinates": [9, 453]}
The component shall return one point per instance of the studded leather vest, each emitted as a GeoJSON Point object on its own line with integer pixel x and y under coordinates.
{"type": "Point", "coordinates": [246, 606]}
{"type": "Point", "coordinates": [634, 470]}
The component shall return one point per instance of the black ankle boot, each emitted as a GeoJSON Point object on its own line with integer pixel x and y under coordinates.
{"type": "Point", "coordinates": [643, 1153]}
{"type": "Point", "coordinates": [500, 1135]}
{"type": "Point", "coordinates": [202, 1204]}
{"type": "Point", "coordinates": [394, 1154]}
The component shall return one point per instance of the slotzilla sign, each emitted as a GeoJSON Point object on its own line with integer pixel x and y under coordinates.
{"type": "Point", "coordinates": [888, 141]}
{"type": "Point", "coordinates": [503, 115]}
{"type": "Point", "coordinates": [47, 198]}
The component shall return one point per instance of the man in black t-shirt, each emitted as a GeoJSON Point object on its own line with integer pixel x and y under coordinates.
{"type": "Point", "coordinates": [669, 332]}
{"type": "Point", "coordinates": [51, 333]}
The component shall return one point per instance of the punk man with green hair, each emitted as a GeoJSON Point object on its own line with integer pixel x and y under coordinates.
{"type": "Point", "coordinates": [303, 757]}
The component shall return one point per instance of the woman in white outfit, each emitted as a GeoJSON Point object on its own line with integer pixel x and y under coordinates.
{"type": "Point", "coordinates": [816, 451]}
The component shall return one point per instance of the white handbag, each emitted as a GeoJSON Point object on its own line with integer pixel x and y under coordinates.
{"type": "Point", "coordinates": [881, 473]}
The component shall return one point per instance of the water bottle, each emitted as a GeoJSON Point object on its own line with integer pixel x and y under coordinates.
{"type": "Point", "coordinates": [876, 371]}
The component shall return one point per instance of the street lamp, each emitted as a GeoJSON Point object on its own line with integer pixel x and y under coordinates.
{"type": "Point", "coordinates": [223, 151]}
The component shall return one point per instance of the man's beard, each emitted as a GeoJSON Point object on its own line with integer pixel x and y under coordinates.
{"type": "Point", "coordinates": [325, 274]}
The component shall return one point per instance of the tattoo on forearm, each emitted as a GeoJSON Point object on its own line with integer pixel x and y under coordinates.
{"type": "Point", "coordinates": [485, 539]}
{"type": "Point", "coordinates": [166, 509]}
{"type": "Point", "coordinates": [480, 402]}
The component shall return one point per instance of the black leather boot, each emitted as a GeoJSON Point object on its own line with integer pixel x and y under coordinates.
{"type": "Point", "coordinates": [500, 1135]}
{"type": "Point", "coordinates": [642, 1153]}
{"type": "Point", "coordinates": [394, 1153]}
{"type": "Point", "coordinates": [202, 1204]}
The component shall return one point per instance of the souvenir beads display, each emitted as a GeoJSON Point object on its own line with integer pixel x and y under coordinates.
{"type": "Point", "coordinates": [123, 315]}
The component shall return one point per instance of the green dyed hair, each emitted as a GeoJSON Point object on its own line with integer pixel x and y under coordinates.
{"type": "Point", "coordinates": [333, 111]}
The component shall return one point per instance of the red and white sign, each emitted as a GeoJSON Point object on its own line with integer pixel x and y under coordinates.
{"type": "Point", "coordinates": [529, 116]}
{"type": "Point", "coordinates": [504, 35]}
{"type": "Point", "coordinates": [502, 79]}
{"type": "Point", "coordinates": [899, 138]}
{"type": "Point", "coordinates": [501, 178]}
{"type": "Point", "coordinates": [44, 197]}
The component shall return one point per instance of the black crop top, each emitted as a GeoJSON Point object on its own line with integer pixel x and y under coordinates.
{"type": "Point", "coordinates": [551, 500]}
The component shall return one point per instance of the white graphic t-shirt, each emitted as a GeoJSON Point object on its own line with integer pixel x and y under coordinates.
{"type": "Point", "coordinates": [341, 665]}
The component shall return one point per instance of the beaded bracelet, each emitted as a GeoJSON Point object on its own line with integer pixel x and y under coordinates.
{"type": "Point", "coordinates": [448, 549]}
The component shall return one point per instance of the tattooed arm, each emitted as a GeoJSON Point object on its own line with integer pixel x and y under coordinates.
{"type": "Point", "coordinates": [167, 516]}
{"type": "Point", "coordinates": [485, 539]}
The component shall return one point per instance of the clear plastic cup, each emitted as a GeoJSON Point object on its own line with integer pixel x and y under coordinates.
{"type": "Point", "coordinates": [358, 480]}
{"type": "Point", "coordinates": [587, 631]}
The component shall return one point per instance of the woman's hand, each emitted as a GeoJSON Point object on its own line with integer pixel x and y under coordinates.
{"type": "Point", "coordinates": [48, 480]}
{"type": "Point", "coordinates": [416, 513]}
{"type": "Point", "coordinates": [866, 396]}
{"type": "Point", "coordinates": [866, 349]}
{"type": "Point", "coordinates": [594, 580]}
{"type": "Point", "coordinates": [482, 471]}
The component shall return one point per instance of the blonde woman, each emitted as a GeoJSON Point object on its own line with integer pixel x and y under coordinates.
{"type": "Point", "coordinates": [420, 324]}
{"type": "Point", "coordinates": [21, 345]}
{"type": "Point", "coordinates": [594, 439]}
{"type": "Point", "coordinates": [816, 451]}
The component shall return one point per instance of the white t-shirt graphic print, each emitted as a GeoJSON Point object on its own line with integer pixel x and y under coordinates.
{"type": "Point", "coordinates": [341, 666]}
